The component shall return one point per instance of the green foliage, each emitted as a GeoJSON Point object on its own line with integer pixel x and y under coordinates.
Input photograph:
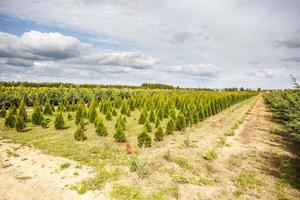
{"type": "Point", "coordinates": [92, 111]}
{"type": "Point", "coordinates": [79, 113]}
{"type": "Point", "coordinates": [170, 127]}
{"type": "Point", "coordinates": [210, 155]}
{"type": "Point", "coordinates": [122, 192]}
{"type": "Point", "coordinates": [70, 116]}
{"type": "Point", "coordinates": [108, 116]}
{"type": "Point", "coordinates": [152, 116]}
{"type": "Point", "coordinates": [22, 112]}
{"type": "Point", "coordinates": [286, 108]}
{"type": "Point", "coordinates": [139, 163]}
{"type": "Point", "coordinates": [20, 122]}
{"type": "Point", "coordinates": [180, 123]}
{"type": "Point", "coordinates": [159, 134]}
{"type": "Point", "coordinates": [59, 122]}
{"type": "Point", "coordinates": [246, 180]}
{"type": "Point", "coordinates": [37, 116]}
{"type": "Point", "coordinates": [119, 135]}
{"type": "Point", "coordinates": [144, 139]}
{"type": "Point", "coordinates": [47, 109]}
{"type": "Point", "coordinates": [79, 133]}
{"type": "Point", "coordinates": [183, 163]}
{"type": "Point", "coordinates": [45, 123]}
{"type": "Point", "coordinates": [143, 117]}
{"type": "Point", "coordinates": [121, 122]}
{"type": "Point", "coordinates": [100, 127]}
{"type": "Point", "coordinates": [148, 126]}
{"type": "Point", "coordinates": [10, 120]}
{"type": "Point", "coordinates": [114, 112]}
{"type": "Point", "coordinates": [3, 112]}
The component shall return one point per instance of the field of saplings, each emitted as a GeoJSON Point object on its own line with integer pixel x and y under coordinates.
{"type": "Point", "coordinates": [146, 114]}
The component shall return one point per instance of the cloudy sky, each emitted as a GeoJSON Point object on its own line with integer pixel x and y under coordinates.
{"type": "Point", "coordinates": [189, 43]}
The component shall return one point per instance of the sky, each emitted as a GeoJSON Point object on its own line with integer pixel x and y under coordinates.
{"type": "Point", "coordinates": [186, 43]}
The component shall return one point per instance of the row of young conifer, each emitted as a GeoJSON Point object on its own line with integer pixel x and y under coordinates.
{"type": "Point", "coordinates": [179, 108]}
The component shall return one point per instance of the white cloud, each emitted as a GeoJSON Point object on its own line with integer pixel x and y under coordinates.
{"type": "Point", "coordinates": [202, 70]}
{"type": "Point", "coordinates": [35, 45]}
{"type": "Point", "coordinates": [270, 73]}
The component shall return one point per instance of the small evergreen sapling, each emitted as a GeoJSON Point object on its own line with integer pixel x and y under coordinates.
{"type": "Point", "coordinates": [100, 127]}
{"type": "Point", "coordinates": [170, 127]}
{"type": "Point", "coordinates": [79, 133]}
{"type": "Point", "coordinates": [119, 135]}
{"type": "Point", "coordinates": [143, 117]}
{"type": "Point", "coordinates": [47, 109]}
{"type": "Point", "coordinates": [59, 122]}
{"type": "Point", "coordinates": [3, 112]}
{"type": "Point", "coordinates": [10, 120]}
{"type": "Point", "coordinates": [159, 134]}
{"type": "Point", "coordinates": [148, 126]}
{"type": "Point", "coordinates": [144, 139]}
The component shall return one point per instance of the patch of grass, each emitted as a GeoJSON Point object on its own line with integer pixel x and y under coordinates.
{"type": "Point", "coordinates": [65, 166]}
{"type": "Point", "coordinates": [191, 179]}
{"type": "Point", "coordinates": [183, 163]}
{"type": "Point", "coordinates": [210, 155]}
{"type": "Point", "coordinates": [246, 180]}
{"type": "Point", "coordinates": [96, 182]}
{"type": "Point", "coordinates": [280, 189]}
{"type": "Point", "coordinates": [238, 193]}
{"type": "Point", "coordinates": [230, 133]}
{"type": "Point", "coordinates": [173, 191]}
{"type": "Point", "coordinates": [167, 156]}
{"type": "Point", "coordinates": [223, 141]}
{"type": "Point", "coordinates": [121, 192]}
{"type": "Point", "coordinates": [139, 163]}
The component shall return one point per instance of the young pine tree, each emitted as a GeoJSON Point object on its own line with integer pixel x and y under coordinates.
{"type": "Point", "coordinates": [180, 123]}
{"type": "Point", "coordinates": [3, 112]}
{"type": "Point", "coordinates": [119, 135]}
{"type": "Point", "coordinates": [59, 122]}
{"type": "Point", "coordinates": [159, 134]}
{"type": "Point", "coordinates": [152, 117]}
{"type": "Point", "coordinates": [79, 133]}
{"type": "Point", "coordinates": [37, 116]}
{"type": "Point", "coordinates": [144, 139]}
{"type": "Point", "coordinates": [148, 126]}
{"type": "Point", "coordinates": [108, 116]}
{"type": "Point", "coordinates": [170, 127]}
{"type": "Point", "coordinates": [10, 120]}
{"type": "Point", "coordinates": [100, 128]}
{"type": "Point", "coordinates": [121, 122]}
{"type": "Point", "coordinates": [143, 117]}
{"type": "Point", "coordinates": [157, 122]}
{"type": "Point", "coordinates": [79, 114]}
{"type": "Point", "coordinates": [22, 112]}
{"type": "Point", "coordinates": [20, 122]}
{"type": "Point", "coordinates": [47, 109]}
{"type": "Point", "coordinates": [92, 111]}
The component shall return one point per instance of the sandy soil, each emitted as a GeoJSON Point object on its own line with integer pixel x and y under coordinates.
{"type": "Point", "coordinates": [27, 174]}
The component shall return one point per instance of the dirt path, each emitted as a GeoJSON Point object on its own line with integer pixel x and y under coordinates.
{"type": "Point", "coordinates": [27, 174]}
{"type": "Point", "coordinates": [259, 151]}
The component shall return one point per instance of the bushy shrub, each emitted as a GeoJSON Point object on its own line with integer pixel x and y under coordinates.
{"type": "Point", "coordinates": [20, 122]}
{"type": "Point", "coordinates": [119, 135]}
{"type": "Point", "coordinates": [59, 122]}
{"type": "Point", "coordinates": [3, 112]}
{"type": "Point", "coordinates": [79, 133]}
{"type": "Point", "coordinates": [148, 126]}
{"type": "Point", "coordinates": [180, 123]}
{"type": "Point", "coordinates": [170, 127]}
{"type": "Point", "coordinates": [100, 127]}
{"type": "Point", "coordinates": [159, 134]}
{"type": "Point", "coordinates": [143, 117]}
{"type": "Point", "coordinates": [152, 116]}
{"type": "Point", "coordinates": [144, 139]}
{"type": "Point", "coordinates": [10, 120]}
{"type": "Point", "coordinates": [47, 109]}
{"type": "Point", "coordinates": [108, 116]}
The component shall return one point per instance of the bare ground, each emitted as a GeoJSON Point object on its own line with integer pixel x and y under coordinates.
{"type": "Point", "coordinates": [257, 148]}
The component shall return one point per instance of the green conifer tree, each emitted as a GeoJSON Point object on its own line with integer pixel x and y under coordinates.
{"type": "Point", "coordinates": [143, 117]}
{"type": "Point", "coordinates": [159, 134]}
{"type": "Point", "coordinates": [119, 135]}
{"type": "Point", "coordinates": [59, 122]}
{"type": "Point", "coordinates": [152, 117]}
{"type": "Point", "coordinates": [100, 127]}
{"type": "Point", "coordinates": [170, 127]}
{"type": "Point", "coordinates": [79, 133]}
{"type": "Point", "coordinates": [47, 109]}
{"type": "Point", "coordinates": [10, 120]}
{"type": "Point", "coordinates": [148, 126]}
{"type": "Point", "coordinates": [144, 139]}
